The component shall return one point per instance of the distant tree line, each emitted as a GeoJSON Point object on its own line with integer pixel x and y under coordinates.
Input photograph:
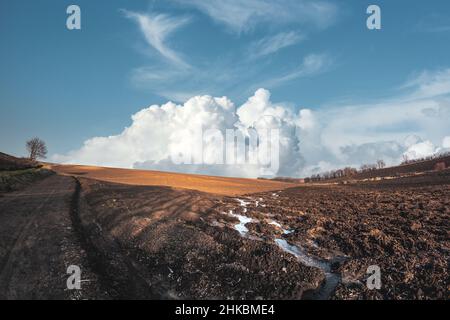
{"type": "Point", "coordinates": [348, 172]}
{"type": "Point", "coordinates": [333, 174]}
{"type": "Point", "coordinates": [406, 160]}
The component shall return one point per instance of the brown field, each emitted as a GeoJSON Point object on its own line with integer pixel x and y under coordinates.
{"type": "Point", "coordinates": [187, 244]}
{"type": "Point", "coordinates": [401, 225]}
{"type": "Point", "coordinates": [155, 235]}
{"type": "Point", "coordinates": [210, 184]}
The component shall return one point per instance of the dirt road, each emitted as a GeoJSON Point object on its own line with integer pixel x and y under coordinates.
{"type": "Point", "coordinates": [38, 243]}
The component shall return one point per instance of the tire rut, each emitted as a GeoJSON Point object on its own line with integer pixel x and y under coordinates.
{"type": "Point", "coordinates": [117, 273]}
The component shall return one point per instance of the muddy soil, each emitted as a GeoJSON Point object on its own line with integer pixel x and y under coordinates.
{"type": "Point", "coordinates": [38, 244]}
{"type": "Point", "coordinates": [182, 247]}
{"type": "Point", "coordinates": [149, 242]}
{"type": "Point", "coordinates": [402, 226]}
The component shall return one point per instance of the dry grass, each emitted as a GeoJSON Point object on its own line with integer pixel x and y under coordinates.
{"type": "Point", "coordinates": [210, 184]}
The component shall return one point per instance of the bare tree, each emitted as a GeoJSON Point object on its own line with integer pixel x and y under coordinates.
{"type": "Point", "coordinates": [36, 148]}
{"type": "Point", "coordinates": [405, 159]}
{"type": "Point", "coordinates": [348, 171]}
{"type": "Point", "coordinates": [365, 167]}
{"type": "Point", "coordinates": [381, 164]}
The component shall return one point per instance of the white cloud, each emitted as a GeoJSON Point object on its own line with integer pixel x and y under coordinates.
{"type": "Point", "coordinates": [412, 123]}
{"type": "Point", "coordinates": [163, 81]}
{"type": "Point", "coordinates": [243, 15]}
{"type": "Point", "coordinates": [158, 132]}
{"type": "Point", "coordinates": [446, 142]}
{"type": "Point", "coordinates": [312, 64]}
{"type": "Point", "coordinates": [412, 140]}
{"type": "Point", "coordinates": [310, 140]}
{"type": "Point", "coordinates": [421, 150]}
{"type": "Point", "coordinates": [156, 28]}
{"type": "Point", "coordinates": [179, 84]}
{"type": "Point", "coordinates": [430, 84]}
{"type": "Point", "coordinates": [272, 44]}
{"type": "Point", "coordinates": [179, 80]}
{"type": "Point", "coordinates": [306, 120]}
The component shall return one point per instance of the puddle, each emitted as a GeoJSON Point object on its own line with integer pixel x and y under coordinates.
{"type": "Point", "coordinates": [243, 220]}
{"type": "Point", "coordinates": [243, 204]}
{"type": "Point", "coordinates": [278, 225]}
{"type": "Point", "coordinates": [241, 225]}
{"type": "Point", "coordinates": [300, 254]}
{"type": "Point", "coordinates": [259, 203]}
{"type": "Point", "coordinates": [331, 279]}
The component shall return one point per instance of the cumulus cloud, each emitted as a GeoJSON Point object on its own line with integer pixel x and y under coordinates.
{"type": "Point", "coordinates": [411, 124]}
{"type": "Point", "coordinates": [156, 28]}
{"type": "Point", "coordinates": [310, 141]}
{"type": "Point", "coordinates": [446, 142]}
{"type": "Point", "coordinates": [421, 150]}
{"type": "Point", "coordinates": [157, 133]}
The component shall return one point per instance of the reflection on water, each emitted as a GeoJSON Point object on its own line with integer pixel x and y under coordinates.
{"type": "Point", "coordinates": [331, 279]}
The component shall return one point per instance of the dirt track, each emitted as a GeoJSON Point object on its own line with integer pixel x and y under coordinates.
{"type": "Point", "coordinates": [38, 243]}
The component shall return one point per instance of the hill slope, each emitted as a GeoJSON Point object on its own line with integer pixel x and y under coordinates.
{"type": "Point", "coordinates": [8, 162]}
{"type": "Point", "coordinates": [210, 184]}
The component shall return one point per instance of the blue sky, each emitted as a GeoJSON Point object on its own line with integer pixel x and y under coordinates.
{"type": "Point", "coordinates": [69, 86]}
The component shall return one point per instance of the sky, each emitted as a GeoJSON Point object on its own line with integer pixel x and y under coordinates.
{"type": "Point", "coordinates": [341, 93]}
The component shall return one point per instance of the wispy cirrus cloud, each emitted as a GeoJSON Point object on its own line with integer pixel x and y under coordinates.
{"type": "Point", "coordinates": [156, 29]}
{"type": "Point", "coordinates": [179, 80]}
{"type": "Point", "coordinates": [178, 84]}
{"type": "Point", "coordinates": [238, 80]}
{"type": "Point", "coordinates": [311, 65]}
{"type": "Point", "coordinates": [433, 23]}
{"type": "Point", "coordinates": [243, 15]}
{"type": "Point", "coordinates": [429, 84]}
{"type": "Point", "coordinates": [274, 43]}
